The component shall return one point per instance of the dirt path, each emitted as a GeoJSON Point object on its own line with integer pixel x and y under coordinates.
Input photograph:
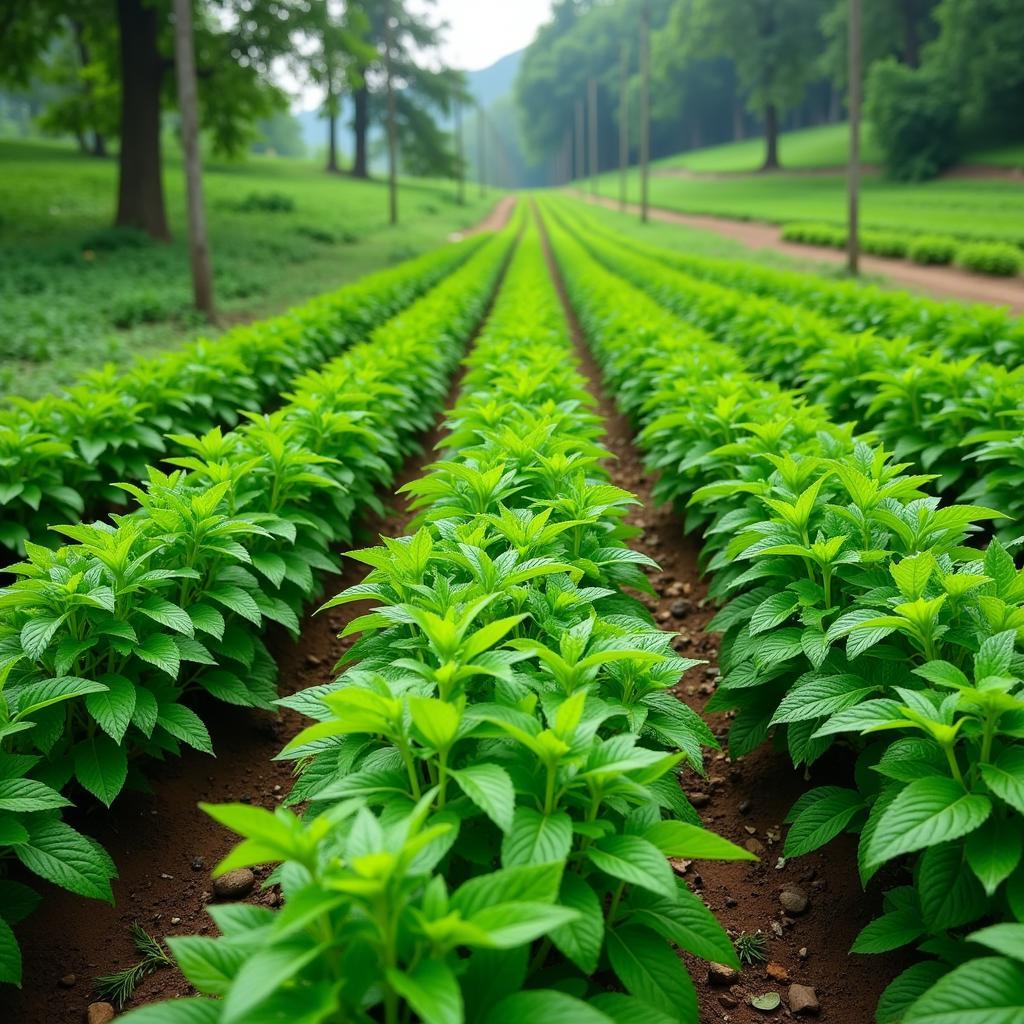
{"type": "Point", "coordinates": [746, 800]}
{"type": "Point", "coordinates": [494, 221]}
{"type": "Point", "coordinates": [941, 282]}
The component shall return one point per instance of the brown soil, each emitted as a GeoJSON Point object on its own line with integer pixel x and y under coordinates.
{"type": "Point", "coordinates": [748, 798]}
{"type": "Point", "coordinates": [494, 221]}
{"type": "Point", "coordinates": [941, 282]}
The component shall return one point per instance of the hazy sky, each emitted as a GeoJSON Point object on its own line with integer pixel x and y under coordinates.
{"type": "Point", "coordinates": [481, 31]}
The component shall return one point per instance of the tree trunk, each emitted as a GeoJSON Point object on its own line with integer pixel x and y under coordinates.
{"type": "Point", "coordinates": [911, 43]}
{"type": "Point", "coordinates": [99, 144]}
{"type": "Point", "coordinates": [332, 134]}
{"type": "Point", "coordinates": [391, 129]}
{"type": "Point", "coordinates": [771, 138]}
{"type": "Point", "coordinates": [140, 191]}
{"type": "Point", "coordinates": [188, 103]}
{"type": "Point", "coordinates": [360, 125]}
{"type": "Point", "coordinates": [83, 145]}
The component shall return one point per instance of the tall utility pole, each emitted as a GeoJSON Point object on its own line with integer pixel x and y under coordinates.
{"type": "Point", "coordinates": [481, 166]}
{"type": "Point", "coordinates": [623, 122]}
{"type": "Point", "coordinates": [645, 105]}
{"type": "Point", "coordinates": [853, 171]}
{"type": "Point", "coordinates": [392, 144]}
{"type": "Point", "coordinates": [592, 133]}
{"type": "Point", "coordinates": [580, 170]}
{"type": "Point", "coordinates": [188, 101]}
{"type": "Point", "coordinates": [459, 154]}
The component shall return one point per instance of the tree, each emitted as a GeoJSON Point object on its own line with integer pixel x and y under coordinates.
{"type": "Point", "coordinates": [235, 41]}
{"type": "Point", "coordinates": [773, 45]}
{"type": "Point", "coordinates": [419, 90]}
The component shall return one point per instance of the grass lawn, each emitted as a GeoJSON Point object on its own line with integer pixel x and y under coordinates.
{"type": "Point", "coordinates": [76, 294]}
{"type": "Point", "coordinates": [965, 207]}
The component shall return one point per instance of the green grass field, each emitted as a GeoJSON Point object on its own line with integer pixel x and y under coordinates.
{"type": "Point", "coordinates": [967, 207]}
{"type": "Point", "coordinates": [821, 147]}
{"type": "Point", "coordinates": [76, 294]}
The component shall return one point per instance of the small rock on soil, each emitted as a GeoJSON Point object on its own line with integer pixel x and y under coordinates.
{"type": "Point", "coordinates": [234, 885]}
{"type": "Point", "coordinates": [99, 1013]}
{"type": "Point", "coordinates": [803, 1000]}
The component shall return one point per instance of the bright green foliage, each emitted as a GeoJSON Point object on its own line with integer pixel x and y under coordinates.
{"type": "Point", "coordinates": [853, 607]}
{"type": "Point", "coordinates": [61, 455]}
{"type": "Point", "coordinates": [491, 783]}
{"type": "Point", "coordinates": [997, 258]}
{"type": "Point", "coordinates": [103, 641]}
{"type": "Point", "coordinates": [932, 249]}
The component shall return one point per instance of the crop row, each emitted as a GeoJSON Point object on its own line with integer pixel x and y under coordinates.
{"type": "Point", "coordinates": [105, 641]}
{"type": "Point", "coordinates": [853, 609]}
{"type": "Point", "coordinates": [62, 455]}
{"type": "Point", "coordinates": [1001, 259]}
{"type": "Point", "coordinates": [981, 330]}
{"type": "Point", "coordinates": [506, 704]}
{"type": "Point", "coordinates": [959, 418]}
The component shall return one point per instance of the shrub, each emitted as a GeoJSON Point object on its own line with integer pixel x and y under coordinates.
{"type": "Point", "coordinates": [998, 258]}
{"type": "Point", "coordinates": [884, 243]}
{"type": "Point", "coordinates": [932, 249]}
{"type": "Point", "coordinates": [265, 202]}
{"type": "Point", "coordinates": [815, 234]}
{"type": "Point", "coordinates": [114, 238]}
{"type": "Point", "coordinates": [913, 118]}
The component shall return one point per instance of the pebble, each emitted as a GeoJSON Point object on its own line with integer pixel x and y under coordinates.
{"type": "Point", "coordinates": [721, 974]}
{"type": "Point", "coordinates": [699, 799]}
{"type": "Point", "coordinates": [680, 608]}
{"type": "Point", "coordinates": [745, 807]}
{"type": "Point", "coordinates": [803, 953]}
{"type": "Point", "coordinates": [313, 660]}
{"type": "Point", "coordinates": [730, 902]}
{"type": "Point", "coordinates": [663, 617]}
{"type": "Point", "coordinates": [175, 920]}
{"type": "Point", "coordinates": [68, 981]}
{"type": "Point", "coordinates": [777, 971]}
{"type": "Point", "coordinates": [754, 846]}
{"type": "Point", "coordinates": [793, 900]}
{"type": "Point", "coordinates": [777, 929]}
{"type": "Point", "coordinates": [100, 1013]}
{"type": "Point", "coordinates": [235, 884]}
{"type": "Point", "coordinates": [728, 1001]}
{"type": "Point", "coordinates": [198, 864]}
{"type": "Point", "coordinates": [803, 1000]}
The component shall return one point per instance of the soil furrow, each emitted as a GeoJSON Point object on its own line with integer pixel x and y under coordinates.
{"type": "Point", "coordinates": [746, 800]}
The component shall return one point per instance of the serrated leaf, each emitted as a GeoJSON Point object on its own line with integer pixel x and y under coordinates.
{"type": "Point", "coordinates": [61, 855]}
{"type": "Point", "coordinates": [490, 787]}
{"type": "Point", "coordinates": [536, 838]}
{"type": "Point", "coordinates": [989, 990]}
{"type": "Point", "coordinates": [634, 860]}
{"type": "Point", "coordinates": [651, 971]}
{"type": "Point", "coordinates": [184, 724]}
{"type": "Point", "coordinates": [112, 709]}
{"type": "Point", "coordinates": [824, 814]}
{"type": "Point", "coordinates": [101, 766]}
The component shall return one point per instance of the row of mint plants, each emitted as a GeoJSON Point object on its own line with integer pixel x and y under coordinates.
{"type": "Point", "coordinates": [106, 642]}
{"type": "Point", "coordinates": [1000, 259]}
{"type": "Point", "coordinates": [854, 612]}
{"type": "Point", "coordinates": [958, 418]}
{"type": "Point", "coordinates": [62, 455]}
{"type": "Point", "coordinates": [982, 330]}
{"type": "Point", "coordinates": [491, 782]}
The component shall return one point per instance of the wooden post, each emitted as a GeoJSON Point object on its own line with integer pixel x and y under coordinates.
{"type": "Point", "coordinates": [480, 145]}
{"type": "Point", "coordinates": [645, 106]}
{"type": "Point", "coordinates": [459, 154]}
{"type": "Point", "coordinates": [853, 171]}
{"type": "Point", "coordinates": [188, 101]}
{"type": "Point", "coordinates": [392, 144]}
{"type": "Point", "coordinates": [579, 169]}
{"type": "Point", "coordinates": [623, 122]}
{"type": "Point", "coordinates": [592, 133]}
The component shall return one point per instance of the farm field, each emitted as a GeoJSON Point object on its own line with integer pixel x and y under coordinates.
{"type": "Point", "coordinates": [76, 295]}
{"type": "Point", "coordinates": [613, 673]}
{"type": "Point", "coordinates": [433, 594]}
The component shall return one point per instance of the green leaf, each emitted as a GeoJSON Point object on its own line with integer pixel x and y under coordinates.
{"type": "Point", "coordinates": [167, 614]}
{"type": "Point", "coordinates": [514, 924]}
{"type": "Point", "coordinates": [184, 724]}
{"type": "Point", "coordinates": [681, 839]}
{"type": "Point", "coordinates": [890, 931]}
{"type": "Point", "coordinates": [636, 861]}
{"type": "Point", "coordinates": [989, 990]}
{"type": "Point", "coordinates": [687, 923]}
{"type": "Point", "coordinates": [113, 708]}
{"type": "Point", "coordinates": [46, 692]}
{"type": "Point", "coordinates": [651, 971]}
{"type": "Point", "coordinates": [994, 851]}
{"type": "Point", "coordinates": [536, 838]}
{"type": "Point", "coordinates": [535, 883]}
{"type": "Point", "coordinates": [61, 855]}
{"type": "Point", "coordinates": [37, 633]}
{"type": "Point", "coordinates": [545, 1005]}
{"type": "Point", "coordinates": [1007, 939]}
{"type": "Point", "coordinates": [1006, 777]}
{"type": "Point", "coordinates": [29, 795]}
{"type": "Point", "coordinates": [237, 600]}
{"type": "Point", "coordinates": [17, 900]}
{"type": "Point", "coordinates": [625, 1009]}
{"type": "Point", "coordinates": [176, 1011]}
{"type": "Point", "coordinates": [490, 787]}
{"type": "Point", "coordinates": [431, 990]}
{"type": "Point", "coordinates": [822, 819]}
{"type": "Point", "coordinates": [928, 811]}
{"type": "Point", "coordinates": [905, 989]}
{"type": "Point", "coordinates": [950, 894]}
{"type": "Point", "coordinates": [160, 650]}
{"type": "Point", "coordinates": [10, 956]}
{"type": "Point", "coordinates": [582, 938]}
{"type": "Point", "coordinates": [264, 973]}
{"type": "Point", "coordinates": [101, 766]}
{"type": "Point", "coordinates": [210, 964]}
{"type": "Point", "coordinates": [437, 720]}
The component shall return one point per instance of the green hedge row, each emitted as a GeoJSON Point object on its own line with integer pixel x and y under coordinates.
{"type": "Point", "coordinates": [854, 608]}
{"type": "Point", "coordinates": [62, 455]}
